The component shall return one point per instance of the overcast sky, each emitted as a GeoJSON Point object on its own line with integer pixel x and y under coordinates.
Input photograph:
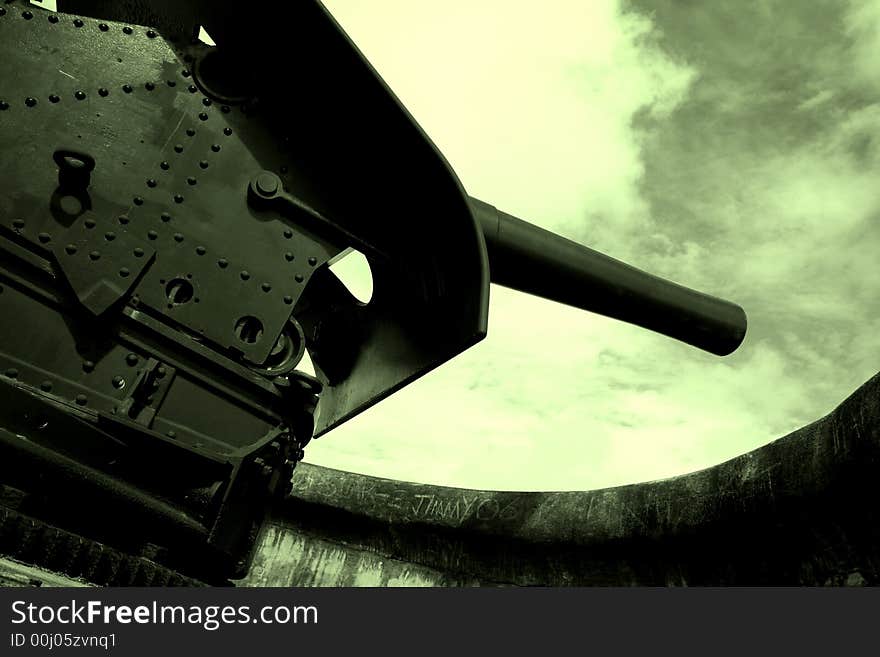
{"type": "Point", "coordinates": [730, 146]}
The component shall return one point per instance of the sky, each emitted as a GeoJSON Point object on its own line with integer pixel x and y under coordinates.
{"type": "Point", "coordinates": [730, 146]}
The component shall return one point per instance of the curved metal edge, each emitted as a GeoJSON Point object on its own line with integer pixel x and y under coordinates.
{"type": "Point", "coordinates": [798, 511]}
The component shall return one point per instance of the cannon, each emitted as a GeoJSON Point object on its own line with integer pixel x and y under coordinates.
{"type": "Point", "coordinates": [169, 214]}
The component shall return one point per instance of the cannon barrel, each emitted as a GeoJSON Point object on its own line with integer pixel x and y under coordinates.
{"type": "Point", "coordinates": [525, 257]}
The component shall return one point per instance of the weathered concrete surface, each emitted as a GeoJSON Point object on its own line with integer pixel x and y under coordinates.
{"type": "Point", "coordinates": [799, 511]}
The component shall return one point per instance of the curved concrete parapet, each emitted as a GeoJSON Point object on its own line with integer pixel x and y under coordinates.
{"type": "Point", "coordinates": [798, 511]}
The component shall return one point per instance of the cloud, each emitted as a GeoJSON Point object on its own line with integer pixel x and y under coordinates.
{"type": "Point", "coordinates": [723, 146]}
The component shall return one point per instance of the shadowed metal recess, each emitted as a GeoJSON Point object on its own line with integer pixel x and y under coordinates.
{"type": "Point", "coordinates": [168, 214]}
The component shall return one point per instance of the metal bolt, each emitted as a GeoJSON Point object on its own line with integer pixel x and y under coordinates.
{"type": "Point", "coordinates": [299, 278]}
{"type": "Point", "coordinates": [151, 34]}
{"type": "Point", "coordinates": [109, 236]}
{"type": "Point", "coordinates": [95, 255]}
{"type": "Point", "coordinates": [266, 287]}
{"type": "Point", "coordinates": [215, 148]}
{"type": "Point", "coordinates": [138, 200]}
{"type": "Point", "coordinates": [178, 237]}
{"type": "Point", "coordinates": [288, 233]}
{"type": "Point", "coordinates": [192, 88]}
{"type": "Point", "coordinates": [46, 386]}
{"type": "Point", "coordinates": [191, 181]}
{"type": "Point", "coordinates": [124, 272]}
{"type": "Point", "coordinates": [12, 373]}
{"type": "Point", "coordinates": [149, 86]}
{"type": "Point", "coordinates": [200, 250]}
{"type": "Point", "coordinates": [90, 223]}
{"type": "Point", "coordinates": [138, 252]}
{"type": "Point", "coordinates": [178, 198]}
{"type": "Point", "coordinates": [103, 92]}
{"type": "Point", "coordinates": [267, 184]}
{"type": "Point", "coordinates": [18, 223]}
{"type": "Point", "coordinates": [127, 30]}
{"type": "Point", "coordinates": [178, 148]}
{"type": "Point", "coordinates": [165, 217]}
{"type": "Point", "coordinates": [223, 263]}
{"type": "Point", "coordinates": [288, 256]}
{"type": "Point", "coordinates": [245, 275]}
{"type": "Point", "coordinates": [190, 132]}
{"type": "Point", "coordinates": [313, 261]}
{"type": "Point", "coordinates": [127, 88]}
{"type": "Point", "coordinates": [88, 366]}
{"type": "Point", "coordinates": [103, 27]}
{"type": "Point", "coordinates": [118, 382]}
{"type": "Point", "coordinates": [70, 248]}
{"type": "Point", "coordinates": [27, 15]}
{"type": "Point", "coordinates": [44, 237]}
{"type": "Point", "coordinates": [4, 105]}
{"type": "Point", "coordinates": [123, 219]}
{"type": "Point", "coordinates": [132, 359]}
{"type": "Point", "coordinates": [54, 98]}
{"type": "Point", "coordinates": [204, 164]}
{"type": "Point", "coordinates": [151, 182]}
{"type": "Point", "coordinates": [288, 300]}
{"type": "Point", "coordinates": [165, 166]}
{"type": "Point", "coordinates": [82, 400]}
{"type": "Point", "coordinates": [227, 131]}
{"type": "Point", "coordinates": [152, 234]}
{"type": "Point", "coordinates": [78, 22]}
{"type": "Point", "coordinates": [203, 116]}
{"type": "Point", "coordinates": [30, 102]}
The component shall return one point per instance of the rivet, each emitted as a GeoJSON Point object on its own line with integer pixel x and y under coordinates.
{"type": "Point", "coordinates": [178, 198]}
{"type": "Point", "coordinates": [70, 249]}
{"type": "Point", "coordinates": [54, 98]}
{"type": "Point", "coordinates": [192, 88]}
{"type": "Point", "coordinates": [151, 34]}
{"type": "Point", "coordinates": [12, 373]}
{"type": "Point", "coordinates": [78, 22]}
{"type": "Point", "coordinates": [80, 95]}
{"type": "Point", "coordinates": [109, 236]}
{"type": "Point", "coordinates": [118, 382]}
{"type": "Point", "coordinates": [46, 386]}
{"type": "Point", "coordinates": [124, 272]}
{"type": "Point", "coordinates": [88, 366]}
{"type": "Point", "coordinates": [178, 148]}
{"type": "Point", "coordinates": [127, 30]}
{"type": "Point", "coordinates": [89, 223]}
{"type": "Point", "coordinates": [203, 116]}
{"type": "Point", "coordinates": [266, 287]}
{"type": "Point", "coordinates": [200, 250]}
{"type": "Point", "coordinates": [82, 400]}
{"type": "Point", "coordinates": [185, 73]}
{"type": "Point", "coordinates": [223, 263]}
{"type": "Point", "coordinates": [18, 223]}
{"type": "Point", "coordinates": [215, 148]}
{"type": "Point", "coordinates": [204, 164]}
{"type": "Point", "coordinates": [123, 219]}
{"type": "Point", "coordinates": [288, 256]}
{"type": "Point", "coordinates": [165, 166]}
{"type": "Point", "coordinates": [165, 217]}
{"type": "Point", "coordinates": [127, 88]}
{"type": "Point", "coordinates": [95, 255]}
{"type": "Point", "coordinates": [30, 102]}
{"type": "Point", "coordinates": [190, 132]}
{"type": "Point", "coordinates": [206, 102]}
{"type": "Point", "coordinates": [149, 86]}
{"type": "Point", "coordinates": [103, 92]}
{"type": "Point", "coordinates": [27, 15]}
{"type": "Point", "coordinates": [288, 300]}
{"type": "Point", "coordinates": [53, 18]}
{"type": "Point", "coordinates": [161, 371]}
{"type": "Point", "coordinates": [151, 182]}
{"type": "Point", "coordinates": [227, 131]}
{"type": "Point", "coordinates": [313, 261]}
{"type": "Point", "coordinates": [138, 200]}
{"type": "Point", "coordinates": [191, 181]}
{"type": "Point", "coordinates": [103, 27]}
{"type": "Point", "coordinates": [288, 233]}
{"type": "Point", "coordinates": [245, 275]}
{"type": "Point", "coordinates": [171, 83]}
{"type": "Point", "coordinates": [225, 109]}
{"type": "Point", "coordinates": [299, 278]}
{"type": "Point", "coordinates": [172, 434]}
{"type": "Point", "coordinates": [4, 105]}
{"type": "Point", "coordinates": [138, 252]}
{"type": "Point", "coordinates": [44, 237]}
{"type": "Point", "coordinates": [178, 237]}
{"type": "Point", "coordinates": [2, 11]}
{"type": "Point", "coordinates": [152, 234]}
